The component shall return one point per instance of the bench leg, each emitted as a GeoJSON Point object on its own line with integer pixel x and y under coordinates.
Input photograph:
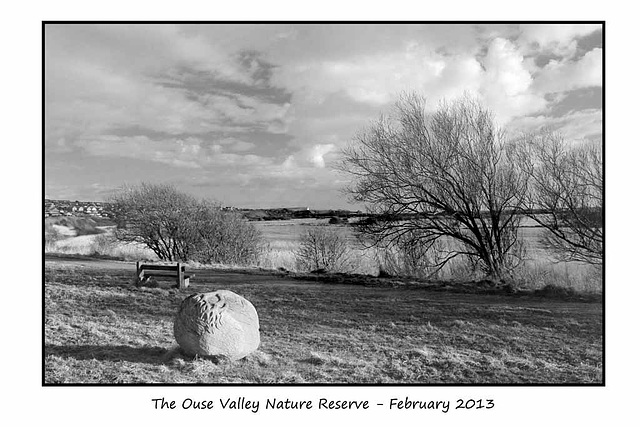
{"type": "Point", "coordinates": [180, 277]}
{"type": "Point", "coordinates": [139, 275]}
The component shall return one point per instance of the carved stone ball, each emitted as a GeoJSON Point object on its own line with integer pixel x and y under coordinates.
{"type": "Point", "coordinates": [219, 323]}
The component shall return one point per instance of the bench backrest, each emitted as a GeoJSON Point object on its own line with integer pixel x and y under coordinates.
{"type": "Point", "coordinates": [177, 270]}
{"type": "Point", "coordinates": [159, 267]}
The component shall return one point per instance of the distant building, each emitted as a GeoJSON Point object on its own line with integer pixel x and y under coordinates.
{"type": "Point", "coordinates": [69, 208]}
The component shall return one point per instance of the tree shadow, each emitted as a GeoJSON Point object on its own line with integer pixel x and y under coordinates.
{"type": "Point", "coordinates": [115, 353]}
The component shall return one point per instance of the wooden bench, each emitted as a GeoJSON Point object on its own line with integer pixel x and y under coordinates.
{"type": "Point", "coordinates": [145, 271]}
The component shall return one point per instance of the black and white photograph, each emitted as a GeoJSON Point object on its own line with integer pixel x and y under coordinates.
{"type": "Point", "coordinates": [323, 203]}
{"type": "Point", "coordinates": [336, 213]}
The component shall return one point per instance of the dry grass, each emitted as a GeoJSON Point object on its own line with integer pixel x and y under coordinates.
{"type": "Point", "coordinates": [100, 244]}
{"type": "Point", "coordinates": [99, 329]}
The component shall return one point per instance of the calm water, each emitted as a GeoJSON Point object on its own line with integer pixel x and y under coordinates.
{"type": "Point", "coordinates": [284, 236]}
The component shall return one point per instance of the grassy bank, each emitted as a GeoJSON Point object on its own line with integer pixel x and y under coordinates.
{"type": "Point", "coordinates": [99, 329]}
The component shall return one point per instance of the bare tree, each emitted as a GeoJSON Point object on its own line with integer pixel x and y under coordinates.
{"type": "Point", "coordinates": [566, 195]}
{"type": "Point", "coordinates": [447, 175]}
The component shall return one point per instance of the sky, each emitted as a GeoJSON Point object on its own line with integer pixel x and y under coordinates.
{"type": "Point", "coordinates": [256, 115]}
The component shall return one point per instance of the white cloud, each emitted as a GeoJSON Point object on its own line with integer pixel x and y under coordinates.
{"type": "Point", "coordinates": [141, 49]}
{"type": "Point", "coordinates": [242, 110]}
{"type": "Point", "coordinates": [375, 78]}
{"type": "Point", "coordinates": [88, 99]}
{"type": "Point", "coordinates": [185, 153]}
{"type": "Point", "coordinates": [235, 144]}
{"type": "Point", "coordinates": [307, 160]}
{"type": "Point", "coordinates": [505, 71]}
{"type": "Point", "coordinates": [501, 78]}
{"type": "Point", "coordinates": [181, 153]}
{"type": "Point", "coordinates": [561, 76]}
{"type": "Point", "coordinates": [316, 156]}
{"type": "Point", "coordinates": [553, 38]}
{"type": "Point", "coordinates": [506, 82]}
{"type": "Point", "coordinates": [575, 126]}
{"type": "Point", "coordinates": [318, 77]}
{"type": "Point", "coordinates": [103, 77]}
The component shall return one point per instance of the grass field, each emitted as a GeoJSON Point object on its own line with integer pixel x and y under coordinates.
{"type": "Point", "coordinates": [100, 329]}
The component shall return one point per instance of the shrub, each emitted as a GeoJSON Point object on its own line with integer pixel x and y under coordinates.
{"type": "Point", "coordinates": [226, 237]}
{"type": "Point", "coordinates": [579, 277]}
{"type": "Point", "coordinates": [324, 248]}
{"type": "Point", "coordinates": [103, 244]}
{"type": "Point", "coordinates": [51, 236]}
{"type": "Point", "coordinates": [81, 225]}
{"type": "Point", "coordinates": [336, 220]}
{"type": "Point", "coordinates": [179, 227]}
{"type": "Point", "coordinates": [556, 291]}
{"type": "Point", "coordinates": [409, 258]}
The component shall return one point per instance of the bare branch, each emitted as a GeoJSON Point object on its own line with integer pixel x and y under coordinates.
{"type": "Point", "coordinates": [449, 174]}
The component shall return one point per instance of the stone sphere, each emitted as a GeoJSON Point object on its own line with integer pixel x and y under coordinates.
{"type": "Point", "coordinates": [219, 323]}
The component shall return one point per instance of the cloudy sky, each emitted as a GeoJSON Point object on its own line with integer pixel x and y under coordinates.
{"type": "Point", "coordinates": [255, 115]}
